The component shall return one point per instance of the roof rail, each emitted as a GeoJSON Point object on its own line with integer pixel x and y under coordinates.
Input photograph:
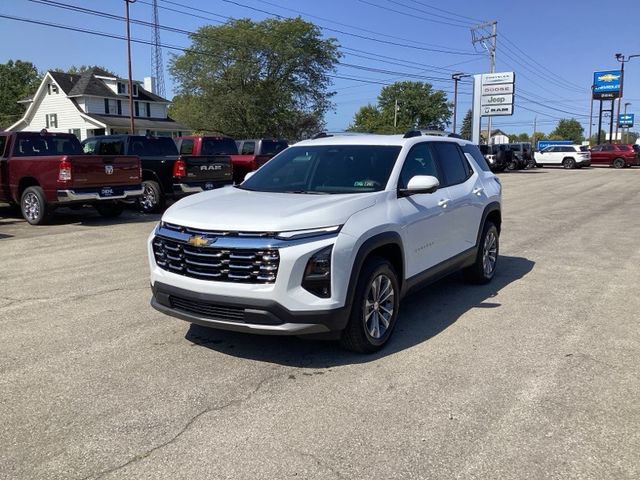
{"type": "Point", "coordinates": [412, 133]}
{"type": "Point", "coordinates": [321, 135]}
{"type": "Point", "coordinates": [434, 132]}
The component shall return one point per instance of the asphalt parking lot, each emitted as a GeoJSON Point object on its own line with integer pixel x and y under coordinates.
{"type": "Point", "coordinates": [535, 376]}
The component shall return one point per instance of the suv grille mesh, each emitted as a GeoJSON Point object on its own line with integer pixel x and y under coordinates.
{"type": "Point", "coordinates": [218, 312]}
{"type": "Point", "coordinates": [223, 265]}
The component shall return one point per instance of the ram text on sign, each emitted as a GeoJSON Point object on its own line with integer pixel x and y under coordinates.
{"type": "Point", "coordinates": [497, 100]}
{"type": "Point", "coordinates": [497, 89]}
{"type": "Point", "coordinates": [496, 110]}
{"type": "Point", "coordinates": [501, 77]}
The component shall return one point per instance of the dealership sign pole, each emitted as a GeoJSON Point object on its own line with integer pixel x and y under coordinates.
{"type": "Point", "coordinates": [606, 86]}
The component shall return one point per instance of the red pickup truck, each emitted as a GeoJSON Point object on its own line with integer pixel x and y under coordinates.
{"type": "Point", "coordinates": [616, 156]}
{"type": "Point", "coordinates": [246, 155]}
{"type": "Point", "coordinates": [42, 171]}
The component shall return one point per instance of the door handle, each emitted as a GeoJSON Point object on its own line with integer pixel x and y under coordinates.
{"type": "Point", "coordinates": [478, 191]}
{"type": "Point", "coordinates": [443, 203]}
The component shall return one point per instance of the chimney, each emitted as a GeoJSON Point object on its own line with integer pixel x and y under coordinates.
{"type": "Point", "coordinates": [150, 84]}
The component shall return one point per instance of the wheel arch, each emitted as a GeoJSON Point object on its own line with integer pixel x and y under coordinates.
{"type": "Point", "coordinates": [493, 214]}
{"type": "Point", "coordinates": [24, 183]}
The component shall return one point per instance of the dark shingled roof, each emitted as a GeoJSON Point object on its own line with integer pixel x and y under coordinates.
{"type": "Point", "coordinates": [87, 84]}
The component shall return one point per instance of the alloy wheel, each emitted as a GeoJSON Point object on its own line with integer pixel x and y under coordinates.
{"type": "Point", "coordinates": [148, 200]}
{"type": "Point", "coordinates": [379, 306]}
{"type": "Point", "coordinates": [31, 206]}
{"type": "Point", "coordinates": [489, 253]}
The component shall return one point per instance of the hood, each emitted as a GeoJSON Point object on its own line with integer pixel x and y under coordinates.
{"type": "Point", "coordinates": [233, 209]}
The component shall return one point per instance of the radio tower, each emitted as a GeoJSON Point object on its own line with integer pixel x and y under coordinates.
{"type": "Point", "coordinates": [156, 57]}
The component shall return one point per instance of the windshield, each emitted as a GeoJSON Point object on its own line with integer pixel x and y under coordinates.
{"type": "Point", "coordinates": [326, 169]}
{"type": "Point", "coordinates": [43, 145]}
{"type": "Point", "coordinates": [271, 147]}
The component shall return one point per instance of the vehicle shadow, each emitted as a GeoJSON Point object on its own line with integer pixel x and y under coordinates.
{"type": "Point", "coordinates": [423, 315]}
{"type": "Point", "coordinates": [89, 217]}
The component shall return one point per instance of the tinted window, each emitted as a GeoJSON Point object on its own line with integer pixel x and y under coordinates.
{"type": "Point", "coordinates": [3, 143]}
{"type": "Point", "coordinates": [326, 169]}
{"type": "Point", "coordinates": [186, 147]}
{"type": "Point", "coordinates": [111, 146]}
{"type": "Point", "coordinates": [248, 148]}
{"type": "Point", "coordinates": [452, 164]}
{"type": "Point", "coordinates": [477, 156]}
{"type": "Point", "coordinates": [219, 146]}
{"type": "Point", "coordinates": [42, 145]}
{"type": "Point", "coordinates": [271, 147]}
{"type": "Point", "coordinates": [420, 161]}
{"type": "Point", "coordinates": [153, 147]}
{"type": "Point", "coordinates": [584, 148]}
{"type": "Point", "coordinates": [607, 148]}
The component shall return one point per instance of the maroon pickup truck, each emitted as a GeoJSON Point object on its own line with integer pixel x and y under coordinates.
{"type": "Point", "coordinates": [246, 155]}
{"type": "Point", "coordinates": [42, 171]}
{"type": "Point", "coordinates": [616, 156]}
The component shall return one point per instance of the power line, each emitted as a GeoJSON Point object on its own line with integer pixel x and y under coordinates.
{"type": "Point", "coordinates": [407, 14]}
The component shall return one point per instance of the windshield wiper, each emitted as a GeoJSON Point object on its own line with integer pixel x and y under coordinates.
{"type": "Point", "coordinates": [310, 192]}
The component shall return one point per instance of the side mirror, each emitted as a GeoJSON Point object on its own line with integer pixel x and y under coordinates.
{"type": "Point", "coordinates": [249, 175]}
{"type": "Point", "coordinates": [420, 184]}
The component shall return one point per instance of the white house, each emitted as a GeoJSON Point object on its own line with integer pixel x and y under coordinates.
{"type": "Point", "coordinates": [96, 103]}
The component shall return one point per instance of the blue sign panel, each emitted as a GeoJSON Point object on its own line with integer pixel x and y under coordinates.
{"type": "Point", "coordinates": [542, 144]}
{"type": "Point", "coordinates": [625, 120]}
{"type": "Point", "coordinates": [606, 84]}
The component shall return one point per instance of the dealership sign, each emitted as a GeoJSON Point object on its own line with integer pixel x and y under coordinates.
{"type": "Point", "coordinates": [497, 91]}
{"type": "Point", "coordinates": [625, 120]}
{"type": "Point", "coordinates": [606, 84]}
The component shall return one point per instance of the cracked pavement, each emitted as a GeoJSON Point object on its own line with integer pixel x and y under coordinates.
{"type": "Point", "coordinates": [535, 376]}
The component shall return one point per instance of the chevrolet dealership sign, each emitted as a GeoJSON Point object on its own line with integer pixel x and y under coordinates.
{"type": "Point", "coordinates": [606, 84]}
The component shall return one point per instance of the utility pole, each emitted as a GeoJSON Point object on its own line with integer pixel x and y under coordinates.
{"type": "Point", "coordinates": [480, 35]}
{"type": "Point", "coordinates": [591, 115]}
{"type": "Point", "coordinates": [395, 115]}
{"type": "Point", "coordinates": [131, 121]}
{"type": "Point", "coordinates": [625, 129]}
{"type": "Point", "coordinates": [533, 137]}
{"type": "Point", "coordinates": [456, 77]}
{"type": "Point", "coordinates": [622, 59]}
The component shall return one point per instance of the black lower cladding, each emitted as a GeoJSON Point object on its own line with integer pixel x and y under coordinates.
{"type": "Point", "coordinates": [194, 306]}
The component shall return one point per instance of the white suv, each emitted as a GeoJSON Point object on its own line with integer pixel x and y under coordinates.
{"type": "Point", "coordinates": [569, 156]}
{"type": "Point", "coordinates": [328, 236]}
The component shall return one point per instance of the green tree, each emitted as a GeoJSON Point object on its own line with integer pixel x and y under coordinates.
{"type": "Point", "coordinates": [419, 105]}
{"type": "Point", "coordinates": [78, 70]}
{"type": "Point", "coordinates": [255, 79]}
{"type": "Point", "coordinates": [17, 80]}
{"type": "Point", "coordinates": [568, 129]}
{"type": "Point", "coordinates": [465, 129]}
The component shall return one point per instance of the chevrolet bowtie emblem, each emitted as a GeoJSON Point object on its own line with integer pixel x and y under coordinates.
{"type": "Point", "coordinates": [198, 241]}
{"type": "Point", "coordinates": [608, 77]}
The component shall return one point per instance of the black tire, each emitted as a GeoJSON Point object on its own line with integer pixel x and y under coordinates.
{"type": "Point", "coordinates": [357, 336]}
{"type": "Point", "coordinates": [539, 165]}
{"type": "Point", "coordinates": [488, 248]}
{"type": "Point", "coordinates": [569, 163]}
{"type": "Point", "coordinates": [618, 162]}
{"type": "Point", "coordinates": [33, 206]}
{"type": "Point", "coordinates": [110, 209]}
{"type": "Point", "coordinates": [513, 165]}
{"type": "Point", "coordinates": [152, 199]}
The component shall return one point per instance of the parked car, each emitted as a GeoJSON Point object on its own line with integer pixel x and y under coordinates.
{"type": "Point", "coordinates": [41, 171]}
{"type": "Point", "coordinates": [253, 154]}
{"type": "Point", "coordinates": [490, 155]}
{"type": "Point", "coordinates": [165, 173]}
{"type": "Point", "coordinates": [569, 156]}
{"type": "Point", "coordinates": [636, 148]}
{"type": "Point", "coordinates": [616, 156]}
{"type": "Point", "coordinates": [522, 154]}
{"type": "Point", "coordinates": [328, 236]}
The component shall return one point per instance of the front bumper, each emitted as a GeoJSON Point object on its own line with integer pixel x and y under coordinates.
{"type": "Point", "coordinates": [99, 194]}
{"type": "Point", "coordinates": [260, 316]}
{"type": "Point", "coordinates": [584, 163]}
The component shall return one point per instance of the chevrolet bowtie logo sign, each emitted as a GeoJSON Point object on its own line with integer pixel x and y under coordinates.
{"type": "Point", "coordinates": [199, 241]}
{"type": "Point", "coordinates": [608, 77]}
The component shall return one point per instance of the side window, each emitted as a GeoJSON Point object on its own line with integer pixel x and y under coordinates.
{"type": "Point", "coordinates": [607, 148]}
{"type": "Point", "coordinates": [186, 148]}
{"type": "Point", "coordinates": [3, 144]}
{"type": "Point", "coordinates": [111, 147]}
{"type": "Point", "coordinates": [452, 164]}
{"type": "Point", "coordinates": [420, 161]}
{"type": "Point", "coordinates": [596, 148]}
{"type": "Point", "coordinates": [89, 146]}
{"type": "Point", "coordinates": [477, 156]}
{"type": "Point", "coordinates": [248, 148]}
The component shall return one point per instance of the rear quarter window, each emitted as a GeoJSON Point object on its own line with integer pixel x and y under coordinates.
{"type": "Point", "coordinates": [474, 151]}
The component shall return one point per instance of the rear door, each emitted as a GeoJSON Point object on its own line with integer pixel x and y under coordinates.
{"type": "Point", "coordinates": [598, 156]}
{"type": "Point", "coordinates": [4, 169]}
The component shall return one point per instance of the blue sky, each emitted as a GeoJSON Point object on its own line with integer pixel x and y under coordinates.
{"type": "Point", "coordinates": [553, 47]}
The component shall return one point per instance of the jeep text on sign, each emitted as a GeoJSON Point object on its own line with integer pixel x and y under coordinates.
{"type": "Point", "coordinates": [497, 100]}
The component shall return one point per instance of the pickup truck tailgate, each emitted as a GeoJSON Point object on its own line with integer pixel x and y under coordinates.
{"type": "Point", "coordinates": [100, 170]}
{"type": "Point", "coordinates": [205, 168]}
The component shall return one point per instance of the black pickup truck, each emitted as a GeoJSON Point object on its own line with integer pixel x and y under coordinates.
{"type": "Point", "coordinates": [165, 173]}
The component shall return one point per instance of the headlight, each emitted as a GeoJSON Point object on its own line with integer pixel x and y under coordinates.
{"type": "Point", "coordinates": [309, 232]}
{"type": "Point", "coordinates": [317, 274]}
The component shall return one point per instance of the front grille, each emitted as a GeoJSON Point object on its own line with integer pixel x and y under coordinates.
{"type": "Point", "coordinates": [217, 312]}
{"type": "Point", "coordinates": [218, 264]}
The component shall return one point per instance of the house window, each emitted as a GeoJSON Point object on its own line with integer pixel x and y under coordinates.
{"type": "Point", "coordinates": [135, 90]}
{"type": "Point", "coordinates": [52, 120]}
{"type": "Point", "coordinates": [137, 108]}
{"type": "Point", "coordinates": [75, 131]}
{"type": "Point", "coordinates": [119, 107]}
{"type": "Point", "coordinates": [54, 88]}
{"type": "Point", "coordinates": [48, 89]}
{"type": "Point", "coordinates": [106, 106]}
{"type": "Point", "coordinates": [148, 109]}
{"type": "Point", "coordinates": [121, 88]}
